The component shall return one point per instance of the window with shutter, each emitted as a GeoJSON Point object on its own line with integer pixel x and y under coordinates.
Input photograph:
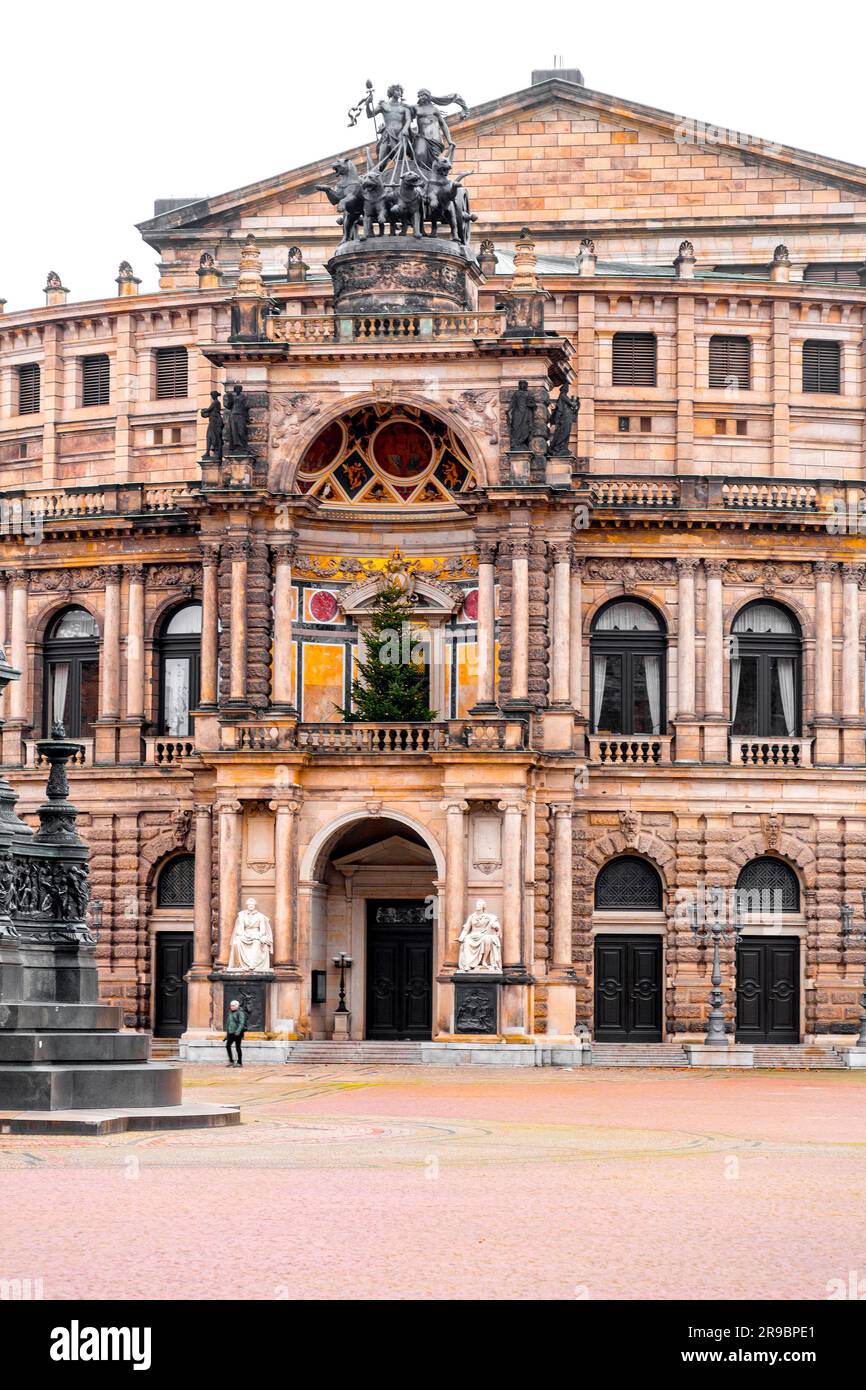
{"type": "Point", "coordinates": [634, 359]}
{"type": "Point", "coordinates": [754, 272]}
{"type": "Point", "coordinates": [95, 380]}
{"type": "Point", "coordinates": [28, 389]}
{"type": "Point", "coordinates": [833, 273]}
{"type": "Point", "coordinates": [171, 373]}
{"type": "Point", "coordinates": [730, 362]}
{"type": "Point", "coordinates": [822, 367]}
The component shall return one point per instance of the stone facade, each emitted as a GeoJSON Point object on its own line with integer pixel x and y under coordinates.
{"type": "Point", "coordinates": [694, 500]}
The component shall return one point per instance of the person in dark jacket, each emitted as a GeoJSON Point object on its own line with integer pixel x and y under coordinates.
{"type": "Point", "coordinates": [235, 1025]}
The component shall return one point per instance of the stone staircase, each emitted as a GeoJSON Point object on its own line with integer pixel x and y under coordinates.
{"type": "Point", "coordinates": [811, 1057]}
{"type": "Point", "coordinates": [164, 1049]}
{"type": "Point", "coordinates": [637, 1055]}
{"type": "Point", "coordinates": [370, 1054]}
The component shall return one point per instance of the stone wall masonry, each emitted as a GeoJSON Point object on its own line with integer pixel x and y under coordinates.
{"type": "Point", "coordinates": [582, 946]}
{"type": "Point", "coordinates": [259, 626]}
{"type": "Point", "coordinates": [542, 924]}
{"type": "Point", "coordinates": [540, 594]}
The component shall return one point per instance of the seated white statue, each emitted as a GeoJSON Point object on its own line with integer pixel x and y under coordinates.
{"type": "Point", "coordinates": [252, 941]}
{"type": "Point", "coordinates": [481, 941]}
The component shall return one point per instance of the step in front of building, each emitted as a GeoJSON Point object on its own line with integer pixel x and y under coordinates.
{"type": "Point", "coordinates": [802, 1056]}
{"type": "Point", "coordinates": [637, 1055]}
{"type": "Point", "coordinates": [369, 1054]}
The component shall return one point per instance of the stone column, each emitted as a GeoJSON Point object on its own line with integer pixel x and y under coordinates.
{"type": "Point", "coordinates": [455, 877]}
{"type": "Point", "coordinates": [285, 945]}
{"type": "Point", "coordinates": [512, 897]}
{"type": "Point", "coordinates": [852, 669]}
{"type": "Point", "coordinates": [520, 622]}
{"type": "Point", "coordinates": [210, 557]}
{"type": "Point", "coordinates": [19, 693]}
{"type": "Point", "coordinates": [486, 631]}
{"type": "Point", "coordinates": [575, 614]}
{"type": "Point", "coordinates": [239, 550]}
{"type": "Point", "coordinates": [560, 636]}
{"type": "Point", "coordinates": [826, 748]}
{"type": "Point", "coordinates": [282, 692]}
{"type": "Point", "coordinates": [715, 729]}
{"type": "Point", "coordinates": [109, 700]}
{"type": "Point", "coordinates": [561, 978]}
{"type": "Point", "coordinates": [686, 644]}
{"type": "Point", "coordinates": [4, 597]}
{"type": "Point", "coordinates": [135, 644]}
{"type": "Point", "coordinates": [230, 874]}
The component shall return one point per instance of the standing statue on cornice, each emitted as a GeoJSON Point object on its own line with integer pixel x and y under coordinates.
{"type": "Point", "coordinates": [393, 135]}
{"type": "Point", "coordinates": [562, 418]}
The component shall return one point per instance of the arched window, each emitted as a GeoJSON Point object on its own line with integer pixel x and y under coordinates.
{"type": "Point", "coordinates": [766, 674]}
{"type": "Point", "coordinates": [71, 666]}
{"type": "Point", "coordinates": [767, 885]}
{"type": "Point", "coordinates": [628, 882]}
{"type": "Point", "coordinates": [176, 883]}
{"type": "Point", "coordinates": [628, 675]}
{"type": "Point", "coordinates": [179, 669]}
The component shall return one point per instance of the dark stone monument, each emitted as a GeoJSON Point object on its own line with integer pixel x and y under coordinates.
{"type": "Point", "coordinates": [65, 1066]}
{"type": "Point", "coordinates": [251, 993]}
{"type": "Point", "coordinates": [476, 999]}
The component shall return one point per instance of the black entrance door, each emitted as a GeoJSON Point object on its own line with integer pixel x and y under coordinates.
{"type": "Point", "coordinates": [768, 989]}
{"type": "Point", "coordinates": [628, 989]}
{"type": "Point", "coordinates": [173, 960]}
{"type": "Point", "coordinates": [399, 970]}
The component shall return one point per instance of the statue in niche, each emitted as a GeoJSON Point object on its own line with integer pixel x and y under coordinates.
{"type": "Point", "coordinates": [252, 941]}
{"type": "Point", "coordinates": [521, 411]}
{"type": "Point", "coordinates": [213, 448]}
{"type": "Point", "coordinates": [562, 418]}
{"type": "Point", "coordinates": [481, 941]}
{"type": "Point", "coordinates": [239, 420]}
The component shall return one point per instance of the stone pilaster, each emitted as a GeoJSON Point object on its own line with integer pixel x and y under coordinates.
{"type": "Point", "coordinates": [130, 733]}
{"type": "Point", "coordinates": [687, 729]}
{"type": "Point", "coordinates": [486, 631]}
{"type": "Point", "coordinates": [853, 748]}
{"type": "Point", "coordinates": [715, 724]}
{"type": "Point", "coordinates": [106, 727]}
{"type": "Point", "coordinates": [826, 748]}
{"type": "Point", "coordinates": [282, 687]}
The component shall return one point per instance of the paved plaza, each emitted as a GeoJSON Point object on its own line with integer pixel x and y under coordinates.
{"type": "Point", "coordinates": [402, 1182]}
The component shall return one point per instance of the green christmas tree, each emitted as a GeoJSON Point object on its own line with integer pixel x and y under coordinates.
{"type": "Point", "coordinates": [391, 683]}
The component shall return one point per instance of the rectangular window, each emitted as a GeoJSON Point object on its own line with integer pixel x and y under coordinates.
{"type": "Point", "coordinates": [822, 373]}
{"type": "Point", "coordinates": [646, 424]}
{"type": "Point", "coordinates": [634, 359]}
{"type": "Point", "coordinates": [833, 273]}
{"type": "Point", "coordinates": [28, 389]}
{"type": "Point", "coordinates": [624, 424]}
{"type": "Point", "coordinates": [721, 427]}
{"type": "Point", "coordinates": [171, 373]}
{"type": "Point", "coordinates": [95, 380]}
{"type": "Point", "coordinates": [742, 427]}
{"type": "Point", "coordinates": [730, 363]}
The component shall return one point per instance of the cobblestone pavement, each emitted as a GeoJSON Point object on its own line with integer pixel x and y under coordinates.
{"type": "Point", "coordinates": [412, 1182]}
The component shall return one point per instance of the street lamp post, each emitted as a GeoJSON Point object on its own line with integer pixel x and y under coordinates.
{"type": "Point", "coordinates": [713, 926]}
{"type": "Point", "coordinates": [856, 936]}
{"type": "Point", "coordinates": [343, 963]}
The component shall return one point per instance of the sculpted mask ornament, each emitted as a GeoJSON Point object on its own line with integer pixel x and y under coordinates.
{"type": "Point", "coordinates": [481, 942]}
{"type": "Point", "coordinates": [252, 942]}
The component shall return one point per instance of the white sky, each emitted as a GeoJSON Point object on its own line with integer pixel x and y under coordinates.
{"type": "Point", "coordinates": [105, 107]}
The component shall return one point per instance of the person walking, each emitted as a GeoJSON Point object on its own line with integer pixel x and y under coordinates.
{"type": "Point", "coordinates": [235, 1025]}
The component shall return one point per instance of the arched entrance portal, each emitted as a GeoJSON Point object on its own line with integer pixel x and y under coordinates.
{"type": "Point", "coordinates": [375, 900]}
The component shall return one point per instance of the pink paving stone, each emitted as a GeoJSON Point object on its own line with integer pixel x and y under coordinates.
{"type": "Point", "coordinates": [355, 1182]}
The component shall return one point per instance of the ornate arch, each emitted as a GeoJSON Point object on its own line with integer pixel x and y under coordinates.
{"type": "Point", "coordinates": [299, 418]}
{"type": "Point", "coordinates": [644, 845]}
{"type": "Point", "coordinates": [326, 837]}
{"type": "Point", "coordinates": [807, 629]}
{"type": "Point", "coordinates": [57, 605]}
{"type": "Point", "coordinates": [791, 851]}
{"type": "Point", "coordinates": [616, 593]}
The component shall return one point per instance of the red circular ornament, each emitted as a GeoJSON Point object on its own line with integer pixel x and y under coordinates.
{"type": "Point", "coordinates": [402, 450]}
{"type": "Point", "coordinates": [470, 605]}
{"type": "Point", "coordinates": [323, 606]}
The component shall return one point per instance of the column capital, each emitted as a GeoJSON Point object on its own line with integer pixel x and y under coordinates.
{"type": "Point", "coordinates": [110, 574]}
{"type": "Point", "coordinates": [518, 547]}
{"type": "Point", "coordinates": [512, 807]}
{"type": "Point", "coordinates": [454, 806]}
{"type": "Point", "coordinates": [238, 549]}
{"type": "Point", "coordinates": [687, 564]}
{"type": "Point", "coordinates": [202, 808]}
{"type": "Point", "coordinates": [561, 552]}
{"type": "Point", "coordinates": [825, 569]}
{"type": "Point", "coordinates": [715, 568]}
{"type": "Point", "coordinates": [285, 802]}
{"type": "Point", "coordinates": [136, 574]}
{"type": "Point", "coordinates": [852, 573]}
{"type": "Point", "coordinates": [19, 578]}
{"type": "Point", "coordinates": [486, 551]}
{"type": "Point", "coordinates": [210, 553]}
{"type": "Point", "coordinates": [562, 810]}
{"type": "Point", "coordinates": [228, 806]}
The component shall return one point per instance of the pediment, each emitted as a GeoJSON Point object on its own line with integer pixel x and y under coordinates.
{"type": "Point", "coordinates": [393, 852]}
{"type": "Point", "coordinates": [557, 153]}
{"type": "Point", "coordinates": [430, 596]}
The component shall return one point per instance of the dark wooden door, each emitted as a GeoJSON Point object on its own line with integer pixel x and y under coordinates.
{"type": "Point", "coordinates": [768, 989]}
{"type": "Point", "coordinates": [628, 989]}
{"type": "Point", "coordinates": [173, 960]}
{"type": "Point", "coordinates": [399, 970]}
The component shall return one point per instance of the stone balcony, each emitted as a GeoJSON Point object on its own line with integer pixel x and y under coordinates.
{"type": "Point", "coordinates": [751, 751]}
{"type": "Point", "coordinates": [494, 735]}
{"type": "Point", "coordinates": [33, 758]}
{"type": "Point", "coordinates": [310, 330]}
{"type": "Point", "coordinates": [629, 750]}
{"type": "Point", "coordinates": [167, 751]}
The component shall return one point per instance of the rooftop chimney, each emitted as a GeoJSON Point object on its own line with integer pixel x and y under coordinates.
{"type": "Point", "coordinates": [564, 74]}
